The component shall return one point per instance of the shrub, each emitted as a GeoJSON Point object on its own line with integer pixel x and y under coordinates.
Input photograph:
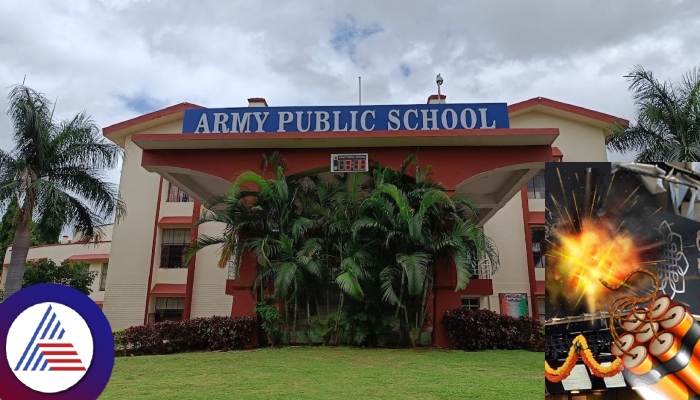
{"type": "Point", "coordinates": [118, 340]}
{"type": "Point", "coordinates": [475, 330]}
{"type": "Point", "coordinates": [213, 333]}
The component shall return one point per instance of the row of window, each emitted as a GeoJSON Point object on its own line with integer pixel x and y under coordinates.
{"type": "Point", "coordinates": [474, 303]}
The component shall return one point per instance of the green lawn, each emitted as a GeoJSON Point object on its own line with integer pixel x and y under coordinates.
{"type": "Point", "coordinates": [330, 373]}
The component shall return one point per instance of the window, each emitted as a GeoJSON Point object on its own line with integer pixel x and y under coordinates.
{"type": "Point", "coordinates": [471, 303]}
{"type": "Point", "coordinates": [169, 309]}
{"type": "Point", "coordinates": [174, 247]}
{"type": "Point", "coordinates": [540, 308]}
{"type": "Point", "coordinates": [176, 195]}
{"type": "Point", "coordinates": [103, 277]}
{"type": "Point", "coordinates": [538, 245]}
{"type": "Point", "coordinates": [535, 188]}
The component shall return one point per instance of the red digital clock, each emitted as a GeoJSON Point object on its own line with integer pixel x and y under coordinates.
{"type": "Point", "coordinates": [349, 162]}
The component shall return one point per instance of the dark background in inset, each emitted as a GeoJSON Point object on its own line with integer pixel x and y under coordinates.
{"type": "Point", "coordinates": [627, 202]}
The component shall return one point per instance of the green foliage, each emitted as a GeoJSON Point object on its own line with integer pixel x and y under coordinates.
{"type": "Point", "coordinates": [8, 224]}
{"type": "Point", "coordinates": [667, 126]}
{"type": "Point", "coordinates": [270, 321]}
{"type": "Point", "coordinates": [360, 249]}
{"type": "Point", "coordinates": [55, 171]}
{"type": "Point", "coordinates": [74, 274]}
{"type": "Point", "coordinates": [119, 340]}
{"type": "Point", "coordinates": [325, 328]}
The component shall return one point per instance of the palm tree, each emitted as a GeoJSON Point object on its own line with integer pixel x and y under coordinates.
{"type": "Point", "coordinates": [668, 119]}
{"type": "Point", "coordinates": [56, 172]}
{"type": "Point", "coordinates": [413, 226]}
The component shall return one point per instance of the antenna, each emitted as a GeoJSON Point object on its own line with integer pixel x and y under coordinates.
{"type": "Point", "coordinates": [359, 82]}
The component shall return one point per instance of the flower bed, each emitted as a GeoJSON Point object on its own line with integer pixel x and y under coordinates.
{"type": "Point", "coordinates": [475, 330]}
{"type": "Point", "coordinates": [167, 337]}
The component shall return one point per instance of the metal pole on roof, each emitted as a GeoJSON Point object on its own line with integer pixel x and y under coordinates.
{"type": "Point", "coordinates": [359, 82]}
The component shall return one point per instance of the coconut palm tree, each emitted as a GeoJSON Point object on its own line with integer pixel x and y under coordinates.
{"type": "Point", "coordinates": [668, 119]}
{"type": "Point", "coordinates": [56, 172]}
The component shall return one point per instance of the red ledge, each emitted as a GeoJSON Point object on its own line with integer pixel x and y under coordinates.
{"type": "Point", "coordinates": [436, 97]}
{"type": "Point", "coordinates": [28, 260]}
{"type": "Point", "coordinates": [148, 117]}
{"type": "Point", "coordinates": [169, 289]}
{"type": "Point", "coordinates": [456, 137]}
{"type": "Point", "coordinates": [557, 105]}
{"type": "Point", "coordinates": [99, 303]}
{"type": "Point", "coordinates": [539, 290]}
{"type": "Point", "coordinates": [557, 153]}
{"type": "Point", "coordinates": [89, 257]}
{"type": "Point", "coordinates": [258, 100]}
{"type": "Point", "coordinates": [536, 218]}
{"type": "Point", "coordinates": [172, 221]}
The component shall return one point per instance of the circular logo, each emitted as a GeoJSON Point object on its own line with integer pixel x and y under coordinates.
{"type": "Point", "coordinates": [58, 345]}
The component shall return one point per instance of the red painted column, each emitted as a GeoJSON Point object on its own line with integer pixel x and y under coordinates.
{"type": "Point", "coordinates": [153, 252]}
{"type": "Point", "coordinates": [244, 299]}
{"type": "Point", "coordinates": [530, 257]}
{"type": "Point", "coordinates": [445, 299]}
{"type": "Point", "coordinates": [194, 232]}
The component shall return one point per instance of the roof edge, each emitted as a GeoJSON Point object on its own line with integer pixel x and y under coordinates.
{"type": "Point", "coordinates": [142, 119]}
{"type": "Point", "coordinates": [565, 107]}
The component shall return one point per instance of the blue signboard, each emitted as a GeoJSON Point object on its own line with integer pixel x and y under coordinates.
{"type": "Point", "coordinates": [346, 118]}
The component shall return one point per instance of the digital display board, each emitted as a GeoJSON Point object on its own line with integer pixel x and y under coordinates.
{"type": "Point", "coordinates": [349, 162]}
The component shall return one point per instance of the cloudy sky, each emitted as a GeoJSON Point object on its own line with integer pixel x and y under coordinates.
{"type": "Point", "coordinates": [118, 59]}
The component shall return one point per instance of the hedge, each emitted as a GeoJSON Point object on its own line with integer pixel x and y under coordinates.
{"type": "Point", "coordinates": [167, 337]}
{"type": "Point", "coordinates": [475, 330]}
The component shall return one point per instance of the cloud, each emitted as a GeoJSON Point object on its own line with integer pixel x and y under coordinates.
{"type": "Point", "coordinates": [118, 58]}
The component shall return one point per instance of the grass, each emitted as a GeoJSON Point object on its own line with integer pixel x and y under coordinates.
{"type": "Point", "coordinates": [329, 373]}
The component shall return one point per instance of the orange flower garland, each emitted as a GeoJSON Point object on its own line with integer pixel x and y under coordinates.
{"type": "Point", "coordinates": [580, 348]}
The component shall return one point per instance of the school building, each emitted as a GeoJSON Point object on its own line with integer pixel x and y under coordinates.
{"type": "Point", "coordinates": [178, 157]}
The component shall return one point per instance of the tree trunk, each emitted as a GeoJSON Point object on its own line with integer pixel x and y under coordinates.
{"type": "Point", "coordinates": [18, 260]}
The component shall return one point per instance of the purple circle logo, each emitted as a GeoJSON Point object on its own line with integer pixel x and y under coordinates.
{"type": "Point", "coordinates": [57, 345]}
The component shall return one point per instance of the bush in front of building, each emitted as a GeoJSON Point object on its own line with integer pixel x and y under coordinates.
{"type": "Point", "coordinates": [476, 330]}
{"type": "Point", "coordinates": [167, 337]}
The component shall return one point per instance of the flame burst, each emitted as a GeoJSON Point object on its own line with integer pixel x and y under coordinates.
{"type": "Point", "coordinates": [595, 253]}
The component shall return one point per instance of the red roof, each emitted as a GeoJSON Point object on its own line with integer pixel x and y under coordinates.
{"type": "Point", "coordinates": [569, 108]}
{"type": "Point", "coordinates": [169, 289]}
{"type": "Point", "coordinates": [175, 221]}
{"type": "Point", "coordinates": [177, 108]}
{"type": "Point", "coordinates": [89, 257]}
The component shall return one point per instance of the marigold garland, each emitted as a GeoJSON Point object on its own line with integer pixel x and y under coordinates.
{"type": "Point", "coordinates": [579, 348]}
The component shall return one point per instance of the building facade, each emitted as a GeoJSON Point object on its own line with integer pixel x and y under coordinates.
{"type": "Point", "coordinates": [167, 175]}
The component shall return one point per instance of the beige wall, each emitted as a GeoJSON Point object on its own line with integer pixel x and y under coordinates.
{"type": "Point", "coordinates": [209, 296]}
{"type": "Point", "coordinates": [60, 252]}
{"type": "Point", "coordinates": [125, 302]}
{"type": "Point", "coordinates": [132, 243]}
{"type": "Point", "coordinates": [577, 141]}
{"type": "Point", "coordinates": [507, 229]}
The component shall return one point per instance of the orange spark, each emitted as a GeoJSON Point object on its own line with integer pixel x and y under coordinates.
{"type": "Point", "coordinates": [596, 253]}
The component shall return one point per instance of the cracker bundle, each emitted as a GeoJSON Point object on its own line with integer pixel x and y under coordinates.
{"type": "Point", "coordinates": [658, 343]}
